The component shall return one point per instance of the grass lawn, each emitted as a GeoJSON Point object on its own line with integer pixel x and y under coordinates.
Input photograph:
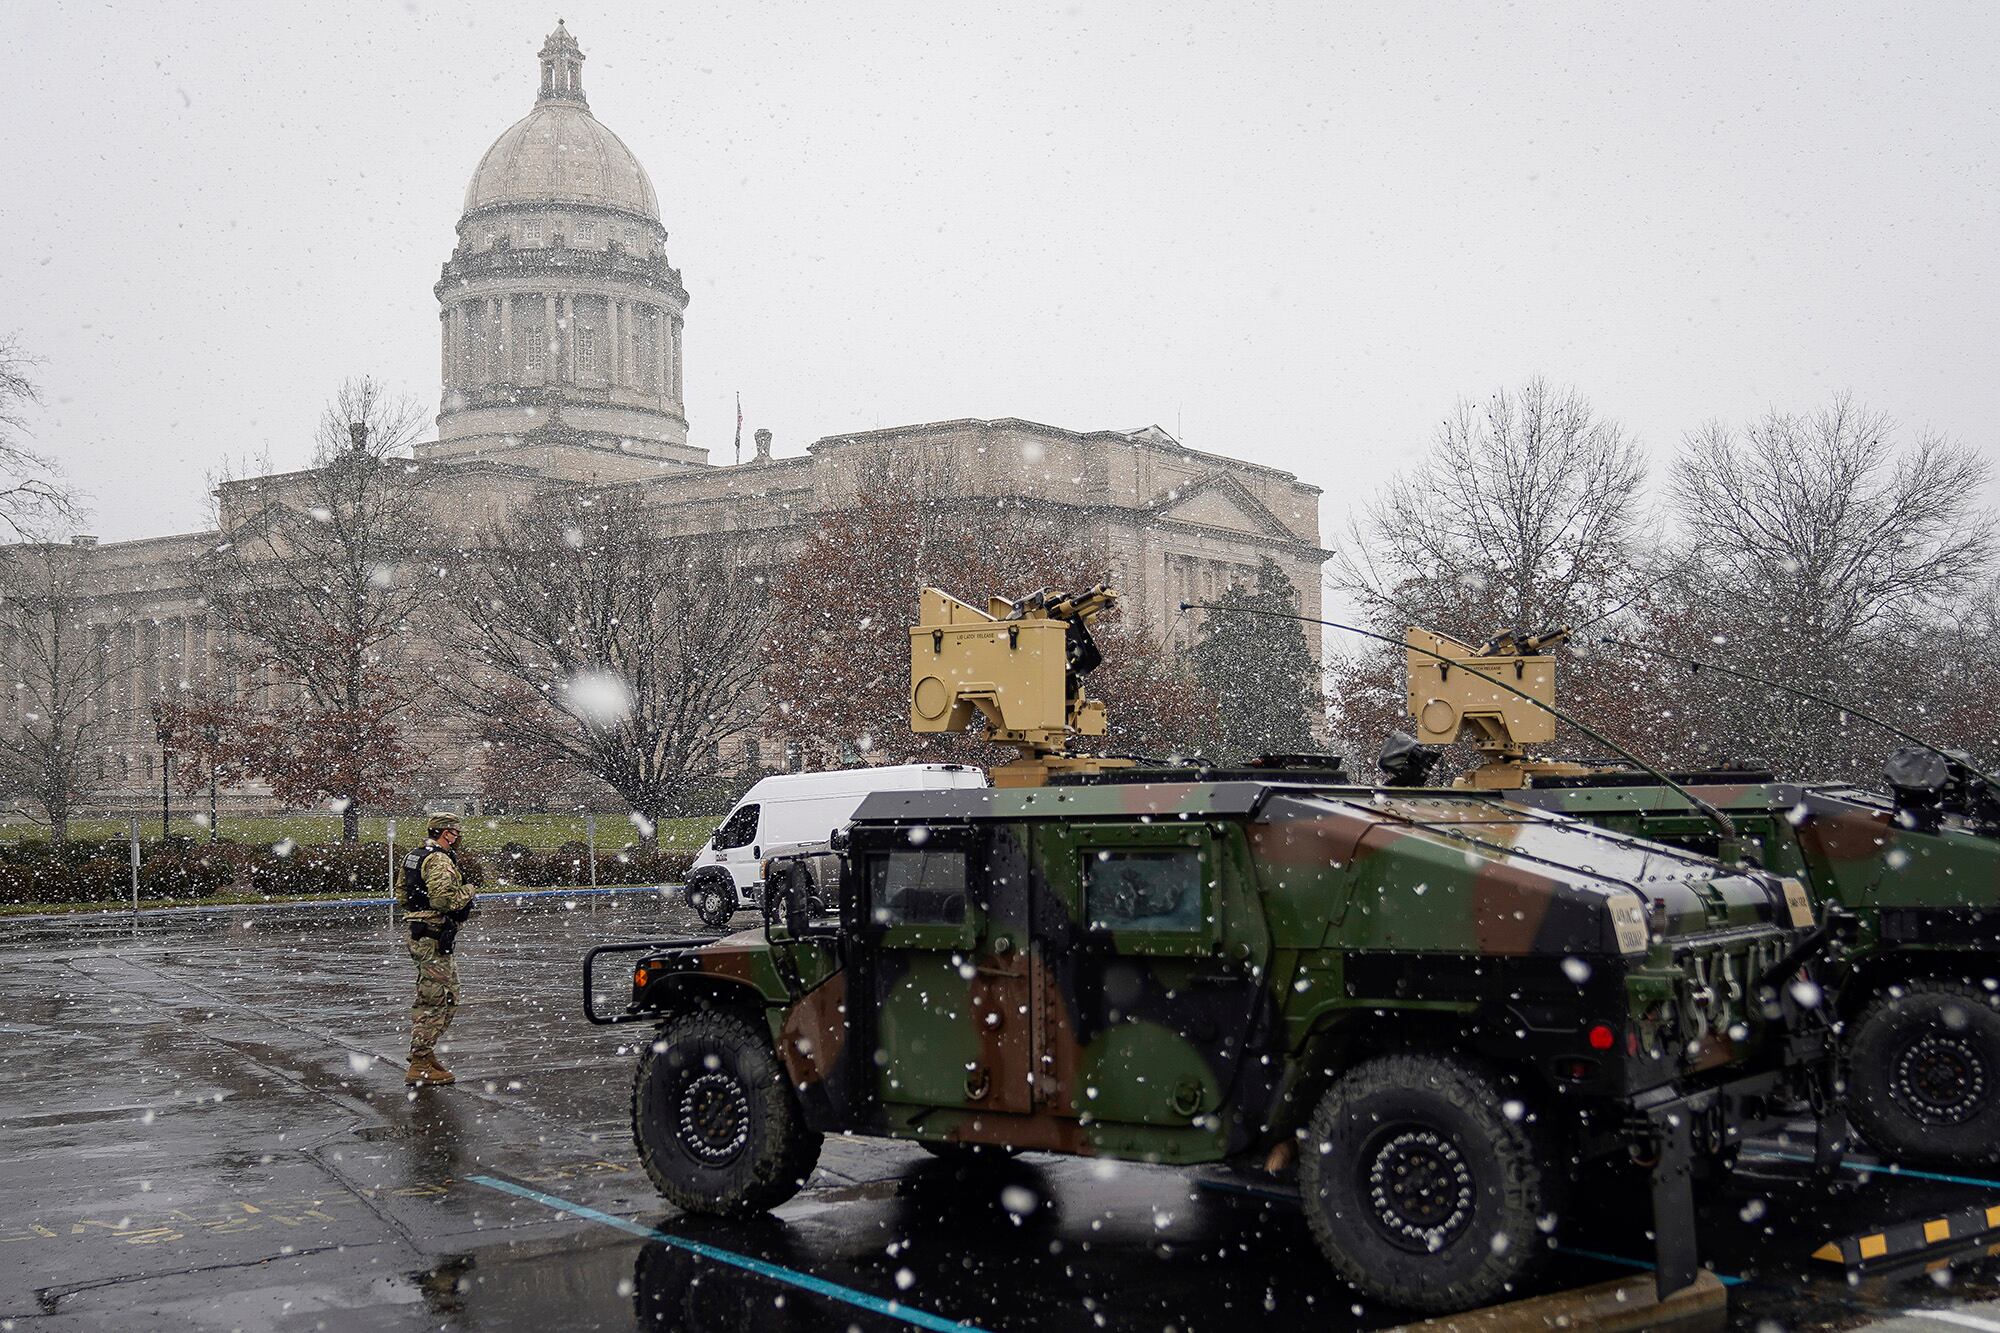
{"type": "Point", "coordinates": [482, 833]}
{"type": "Point", "coordinates": [243, 899]}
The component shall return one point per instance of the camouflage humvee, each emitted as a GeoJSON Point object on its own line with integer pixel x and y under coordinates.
{"type": "Point", "coordinates": [1911, 883]}
{"type": "Point", "coordinates": [1915, 981]}
{"type": "Point", "coordinates": [1426, 1008]}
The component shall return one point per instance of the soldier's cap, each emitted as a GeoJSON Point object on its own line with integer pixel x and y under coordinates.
{"type": "Point", "coordinates": [441, 821]}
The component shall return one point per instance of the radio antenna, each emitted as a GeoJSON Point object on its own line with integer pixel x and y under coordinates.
{"type": "Point", "coordinates": [1722, 822]}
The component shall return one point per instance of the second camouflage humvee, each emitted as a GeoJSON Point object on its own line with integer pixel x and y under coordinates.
{"type": "Point", "coordinates": [1429, 1009]}
{"type": "Point", "coordinates": [1910, 881]}
{"type": "Point", "coordinates": [1915, 979]}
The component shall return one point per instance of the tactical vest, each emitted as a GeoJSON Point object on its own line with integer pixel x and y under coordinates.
{"type": "Point", "coordinates": [416, 898]}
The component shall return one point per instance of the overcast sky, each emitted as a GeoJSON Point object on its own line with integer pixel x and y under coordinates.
{"type": "Point", "coordinates": [1294, 233]}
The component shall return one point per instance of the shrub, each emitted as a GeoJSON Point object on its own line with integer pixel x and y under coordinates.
{"type": "Point", "coordinates": [17, 883]}
{"type": "Point", "coordinates": [636, 866]}
{"type": "Point", "coordinates": [102, 879]}
{"type": "Point", "coordinates": [330, 869]}
{"type": "Point", "coordinates": [28, 851]}
{"type": "Point", "coordinates": [196, 874]}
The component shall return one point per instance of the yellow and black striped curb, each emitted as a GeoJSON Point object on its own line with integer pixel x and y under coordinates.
{"type": "Point", "coordinates": [1908, 1240]}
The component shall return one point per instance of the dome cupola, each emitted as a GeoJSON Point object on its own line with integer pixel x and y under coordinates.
{"type": "Point", "coordinates": [559, 152]}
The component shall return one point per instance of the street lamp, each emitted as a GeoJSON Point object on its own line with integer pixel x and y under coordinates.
{"type": "Point", "coordinates": [163, 730]}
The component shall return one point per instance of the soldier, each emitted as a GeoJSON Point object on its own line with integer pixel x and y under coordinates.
{"type": "Point", "coordinates": [436, 901]}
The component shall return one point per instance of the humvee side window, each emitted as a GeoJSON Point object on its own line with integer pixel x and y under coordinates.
{"type": "Point", "coordinates": [917, 888]}
{"type": "Point", "coordinates": [738, 831]}
{"type": "Point", "coordinates": [1143, 890]}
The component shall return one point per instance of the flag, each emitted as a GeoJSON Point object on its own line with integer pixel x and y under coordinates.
{"type": "Point", "coordinates": [739, 427]}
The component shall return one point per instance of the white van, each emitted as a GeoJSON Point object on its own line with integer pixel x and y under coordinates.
{"type": "Point", "coordinates": [796, 812]}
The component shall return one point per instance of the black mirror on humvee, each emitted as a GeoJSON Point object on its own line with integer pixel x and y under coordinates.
{"type": "Point", "coordinates": [838, 839]}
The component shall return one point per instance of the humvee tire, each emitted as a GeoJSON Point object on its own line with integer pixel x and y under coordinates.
{"type": "Point", "coordinates": [712, 895]}
{"type": "Point", "coordinates": [1923, 1074]}
{"type": "Point", "coordinates": [1419, 1188]}
{"type": "Point", "coordinates": [717, 1125]}
{"type": "Point", "coordinates": [817, 904]}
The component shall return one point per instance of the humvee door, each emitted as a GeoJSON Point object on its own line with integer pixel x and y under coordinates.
{"type": "Point", "coordinates": [1157, 997]}
{"type": "Point", "coordinates": [948, 970]}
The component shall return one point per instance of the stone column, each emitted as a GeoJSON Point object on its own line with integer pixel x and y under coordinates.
{"type": "Point", "coordinates": [444, 346]}
{"type": "Point", "coordinates": [508, 375]}
{"type": "Point", "coordinates": [675, 394]}
{"type": "Point", "coordinates": [468, 351]}
{"type": "Point", "coordinates": [661, 333]}
{"type": "Point", "coordinates": [549, 374]}
{"type": "Point", "coordinates": [614, 364]}
{"type": "Point", "coordinates": [490, 344]}
{"type": "Point", "coordinates": [569, 340]}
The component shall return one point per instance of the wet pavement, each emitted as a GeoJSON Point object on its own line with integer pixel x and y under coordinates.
{"type": "Point", "coordinates": [206, 1127]}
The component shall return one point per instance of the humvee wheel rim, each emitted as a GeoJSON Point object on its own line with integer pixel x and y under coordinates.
{"type": "Point", "coordinates": [714, 1117]}
{"type": "Point", "coordinates": [1419, 1189]}
{"type": "Point", "coordinates": [1940, 1079]}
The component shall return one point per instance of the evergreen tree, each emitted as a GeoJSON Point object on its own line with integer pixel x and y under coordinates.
{"type": "Point", "coordinates": [1260, 671]}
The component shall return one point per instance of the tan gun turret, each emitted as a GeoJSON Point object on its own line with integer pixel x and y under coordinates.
{"type": "Point", "coordinates": [1449, 699]}
{"type": "Point", "coordinates": [1018, 665]}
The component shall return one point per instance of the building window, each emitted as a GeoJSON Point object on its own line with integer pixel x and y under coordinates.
{"type": "Point", "coordinates": [586, 233]}
{"type": "Point", "coordinates": [586, 350]}
{"type": "Point", "coordinates": [531, 234]}
{"type": "Point", "coordinates": [537, 352]}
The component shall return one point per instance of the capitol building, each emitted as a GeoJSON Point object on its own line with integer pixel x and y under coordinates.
{"type": "Point", "coordinates": [562, 330]}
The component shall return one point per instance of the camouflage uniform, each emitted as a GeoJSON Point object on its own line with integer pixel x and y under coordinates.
{"type": "Point", "coordinates": [437, 972]}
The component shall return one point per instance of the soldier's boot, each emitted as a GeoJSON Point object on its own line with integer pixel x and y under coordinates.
{"type": "Point", "coordinates": [425, 1069]}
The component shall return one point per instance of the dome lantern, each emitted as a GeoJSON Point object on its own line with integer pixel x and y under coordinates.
{"type": "Point", "coordinates": [562, 69]}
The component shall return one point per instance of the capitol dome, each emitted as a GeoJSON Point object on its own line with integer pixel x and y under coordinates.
{"type": "Point", "coordinates": [562, 154]}
{"type": "Point", "coordinates": [559, 152]}
{"type": "Point", "coordinates": [562, 322]}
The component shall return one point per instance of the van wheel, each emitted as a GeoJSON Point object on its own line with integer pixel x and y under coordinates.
{"type": "Point", "coordinates": [1923, 1074]}
{"type": "Point", "coordinates": [718, 1127]}
{"type": "Point", "coordinates": [1420, 1189]}
{"type": "Point", "coordinates": [712, 895]}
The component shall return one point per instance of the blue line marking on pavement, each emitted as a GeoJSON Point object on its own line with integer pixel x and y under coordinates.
{"type": "Point", "coordinates": [1881, 1169]}
{"type": "Point", "coordinates": [1727, 1279]}
{"type": "Point", "coordinates": [777, 1272]}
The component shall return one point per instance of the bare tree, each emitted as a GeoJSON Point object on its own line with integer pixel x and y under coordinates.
{"type": "Point", "coordinates": [581, 632]}
{"type": "Point", "coordinates": [837, 655]}
{"type": "Point", "coordinates": [1527, 512]}
{"type": "Point", "coordinates": [1824, 520]}
{"type": "Point", "coordinates": [314, 577]}
{"type": "Point", "coordinates": [1819, 551]}
{"type": "Point", "coordinates": [50, 736]}
{"type": "Point", "coordinates": [34, 500]}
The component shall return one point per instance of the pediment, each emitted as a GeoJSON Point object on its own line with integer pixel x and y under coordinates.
{"type": "Point", "coordinates": [1221, 502]}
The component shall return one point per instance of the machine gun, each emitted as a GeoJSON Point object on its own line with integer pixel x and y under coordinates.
{"type": "Point", "coordinates": [1019, 666]}
{"type": "Point", "coordinates": [1452, 693]}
